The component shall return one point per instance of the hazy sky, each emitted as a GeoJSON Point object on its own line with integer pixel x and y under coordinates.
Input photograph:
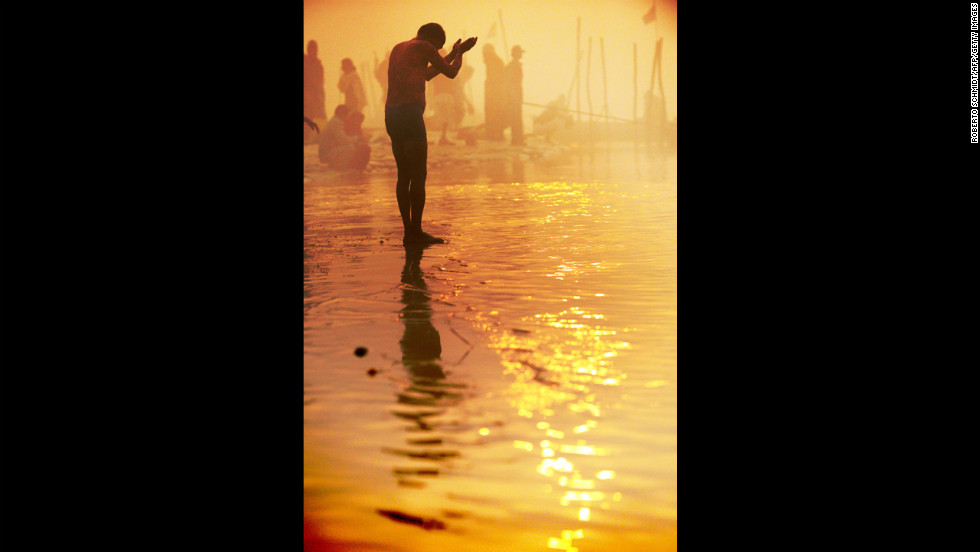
{"type": "Point", "coordinates": [545, 29]}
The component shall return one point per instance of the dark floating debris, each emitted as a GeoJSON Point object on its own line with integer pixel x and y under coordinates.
{"type": "Point", "coordinates": [425, 523]}
{"type": "Point", "coordinates": [360, 351]}
{"type": "Point", "coordinates": [416, 471]}
{"type": "Point", "coordinates": [411, 483]}
{"type": "Point", "coordinates": [520, 331]}
{"type": "Point", "coordinates": [372, 372]}
{"type": "Point", "coordinates": [428, 441]}
{"type": "Point", "coordinates": [435, 455]}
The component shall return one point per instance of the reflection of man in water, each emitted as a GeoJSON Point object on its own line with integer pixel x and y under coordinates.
{"type": "Point", "coordinates": [421, 346]}
{"type": "Point", "coordinates": [411, 64]}
{"type": "Point", "coordinates": [422, 360]}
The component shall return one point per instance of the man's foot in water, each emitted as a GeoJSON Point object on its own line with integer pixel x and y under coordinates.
{"type": "Point", "coordinates": [428, 238]}
{"type": "Point", "coordinates": [421, 238]}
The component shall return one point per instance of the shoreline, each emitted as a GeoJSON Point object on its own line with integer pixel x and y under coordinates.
{"type": "Point", "coordinates": [460, 153]}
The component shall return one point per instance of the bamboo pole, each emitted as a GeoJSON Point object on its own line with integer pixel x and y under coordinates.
{"type": "Point", "coordinates": [653, 70]}
{"type": "Point", "coordinates": [578, 75]}
{"type": "Point", "coordinates": [597, 115]}
{"type": "Point", "coordinates": [503, 34]}
{"type": "Point", "coordinates": [663, 98]}
{"type": "Point", "coordinates": [588, 77]}
{"type": "Point", "coordinates": [634, 81]}
{"type": "Point", "coordinates": [605, 94]}
{"type": "Point", "coordinates": [575, 78]}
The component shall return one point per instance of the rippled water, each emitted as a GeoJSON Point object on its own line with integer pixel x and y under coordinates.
{"type": "Point", "coordinates": [520, 382]}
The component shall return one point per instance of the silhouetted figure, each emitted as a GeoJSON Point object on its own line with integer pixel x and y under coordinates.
{"type": "Point", "coordinates": [408, 70]}
{"type": "Point", "coordinates": [515, 96]}
{"type": "Point", "coordinates": [340, 150]}
{"type": "Point", "coordinates": [362, 151]}
{"type": "Point", "coordinates": [494, 94]}
{"type": "Point", "coordinates": [443, 103]}
{"type": "Point", "coordinates": [352, 126]}
{"type": "Point", "coordinates": [352, 87]}
{"type": "Point", "coordinates": [314, 105]}
{"type": "Point", "coordinates": [463, 104]}
{"type": "Point", "coordinates": [555, 117]}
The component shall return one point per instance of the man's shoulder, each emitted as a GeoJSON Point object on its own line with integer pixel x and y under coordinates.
{"type": "Point", "coordinates": [413, 44]}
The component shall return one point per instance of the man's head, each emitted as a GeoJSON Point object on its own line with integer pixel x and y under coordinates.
{"type": "Point", "coordinates": [516, 52]}
{"type": "Point", "coordinates": [346, 65]}
{"type": "Point", "coordinates": [433, 34]}
{"type": "Point", "coordinates": [342, 111]}
{"type": "Point", "coordinates": [311, 48]}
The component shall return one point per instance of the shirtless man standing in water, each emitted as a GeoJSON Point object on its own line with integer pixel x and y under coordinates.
{"type": "Point", "coordinates": [408, 70]}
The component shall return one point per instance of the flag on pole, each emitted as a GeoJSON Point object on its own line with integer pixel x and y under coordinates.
{"type": "Point", "coordinates": [651, 15]}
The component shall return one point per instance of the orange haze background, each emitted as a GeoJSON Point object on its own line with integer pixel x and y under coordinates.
{"type": "Point", "coordinates": [364, 30]}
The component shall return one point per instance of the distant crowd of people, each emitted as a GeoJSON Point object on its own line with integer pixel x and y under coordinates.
{"type": "Point", "coordinates": [503, 93]}
{"type": "Point", "coordinates": [342, 143]}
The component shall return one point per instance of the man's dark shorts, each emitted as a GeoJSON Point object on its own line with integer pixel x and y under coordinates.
{"type": "Point", "coordinates": [404, 123]}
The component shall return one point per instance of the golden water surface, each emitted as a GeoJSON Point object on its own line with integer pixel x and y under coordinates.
{"type": "Point", "coordinates": [518, 390]}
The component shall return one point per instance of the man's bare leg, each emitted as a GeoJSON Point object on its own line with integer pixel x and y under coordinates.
{"type": "Point", "coordinates": [445, 135]}
{"type": "Point", "coordinates": [415, 154]}
{"type": "Point", "coordinates": [402, 186]}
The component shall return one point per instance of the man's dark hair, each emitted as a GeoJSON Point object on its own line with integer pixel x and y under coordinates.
{"type": "Point", "coordinates": [433, 31]}
{"type": "Point", "coordinates": [342, 111]}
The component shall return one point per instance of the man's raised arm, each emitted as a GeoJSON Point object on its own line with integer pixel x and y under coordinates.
{"type": "Point", "coordinates": [451, 64]}
{"type": "Point", "coordinates": [448, 66]}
